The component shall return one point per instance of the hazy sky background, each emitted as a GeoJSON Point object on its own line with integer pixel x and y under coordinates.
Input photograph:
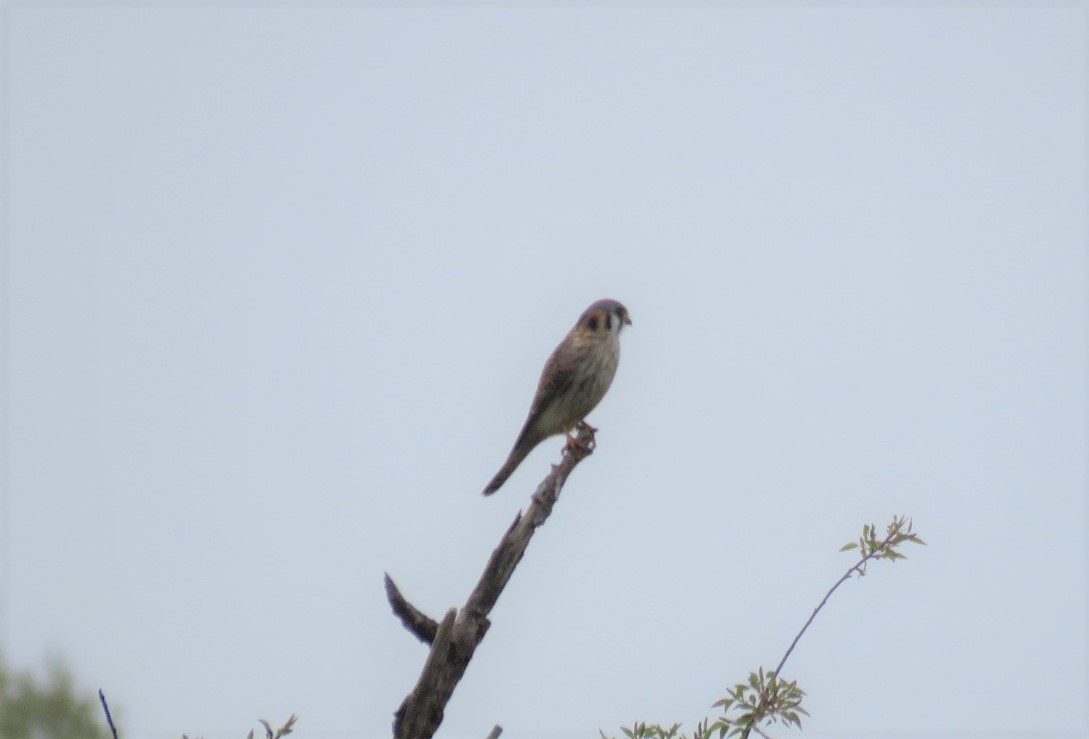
{"type": "Point", "coordinates": [279, 282]}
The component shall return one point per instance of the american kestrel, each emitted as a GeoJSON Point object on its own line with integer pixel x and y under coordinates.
{"type": "Point", "coordinates": [574, 380]}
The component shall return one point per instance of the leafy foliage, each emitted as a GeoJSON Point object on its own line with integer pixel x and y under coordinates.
{"type": "Point", "coordinates": [283, 731]}
{"type": "Point", "coordinates": [49, 708]}
{"type": "Point", "coordinates": [765, 698]}
{"type": "Point", "coordinates": [896, 533]}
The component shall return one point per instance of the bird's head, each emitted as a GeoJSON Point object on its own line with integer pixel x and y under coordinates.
{"type": "Point", "coordinates": [605, 317]}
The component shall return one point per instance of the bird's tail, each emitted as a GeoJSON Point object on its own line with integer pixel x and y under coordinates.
{"type": "Point", "coordinates": [517, 454]}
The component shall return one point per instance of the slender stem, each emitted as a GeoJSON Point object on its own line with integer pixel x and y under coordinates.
{"type": "Point", "coordinates": [856, 567]}
{"type": "Point", "coordinates": [798, 636]}
{"type": "Point", "coordinates": [106, 708]}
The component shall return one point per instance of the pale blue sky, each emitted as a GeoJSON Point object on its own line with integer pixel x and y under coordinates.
{"type": "Point", "coordinates": [279, 281]}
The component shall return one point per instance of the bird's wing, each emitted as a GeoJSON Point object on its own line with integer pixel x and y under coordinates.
{"type": "Point", "coordinates": [557, 380]}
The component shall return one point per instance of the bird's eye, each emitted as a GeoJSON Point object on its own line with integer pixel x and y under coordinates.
{"type": "Point", "coordinates": [592, 323]}
{"type": "Point", "coordinates": [608, 321]}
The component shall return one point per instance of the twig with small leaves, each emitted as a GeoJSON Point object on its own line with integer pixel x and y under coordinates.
{"type": "Point", "coordinates": [765, 696]}
{"type": "Point", "coordinates": [781, 700]}
{"type": "Point", "coordinates": [897, 533]}
{"type": "Point", "coordinates": [283, 731]}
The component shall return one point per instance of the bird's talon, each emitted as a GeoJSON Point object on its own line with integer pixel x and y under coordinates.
{"type": "Point", "coordinates": [586, 427]}
{"type": "Point", "coordinates": [570, 443]}
{"type": "Point", "coordinates": [585, 443]}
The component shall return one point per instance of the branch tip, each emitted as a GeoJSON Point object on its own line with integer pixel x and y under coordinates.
{"type": "Point", "coordinates": [415, 620]}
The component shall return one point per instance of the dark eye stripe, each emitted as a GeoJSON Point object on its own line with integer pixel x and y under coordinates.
{"type": "Point", "coordinates": [608, 321]}
{"type": "Point", "coordinates": [593, 323]}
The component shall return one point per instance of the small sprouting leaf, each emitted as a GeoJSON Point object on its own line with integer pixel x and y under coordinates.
{"type": "Point", "coordinates": [287, 728]}
{"type": "Point", "coordinates": [849, 546]}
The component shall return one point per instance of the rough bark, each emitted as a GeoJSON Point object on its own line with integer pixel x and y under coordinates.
{"type": "Point", "coordinates": [455, 638]}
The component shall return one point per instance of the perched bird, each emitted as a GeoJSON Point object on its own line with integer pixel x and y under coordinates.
{"type": "Point", "coordinates": [574, 380]}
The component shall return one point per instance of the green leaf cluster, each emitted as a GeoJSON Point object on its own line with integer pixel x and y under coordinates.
{"type": "Point", "coordinates": [52, 707]}
{"type": "Point", "coordinates": [764, 697]}
{"type": "Point", "coordinates": [898, 532]}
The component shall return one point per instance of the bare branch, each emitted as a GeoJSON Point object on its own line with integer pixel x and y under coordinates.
{"type": "Point", "coordinates": [460, 632]}
{"type": "Point", "coordinates": [495, 732]}
{"type": "Point", "coordinates": [415, 620]}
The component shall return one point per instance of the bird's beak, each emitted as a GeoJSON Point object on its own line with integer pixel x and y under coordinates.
{"type": "Point", "coordinates": [627, 320]}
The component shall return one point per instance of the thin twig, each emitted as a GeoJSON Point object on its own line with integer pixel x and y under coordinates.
{"type": "Point", "coordinates": [856, 567]}
{"type": "Point", "coordinates": [106, 708]}
{"type": "Point", "coordinates": [495, 732]}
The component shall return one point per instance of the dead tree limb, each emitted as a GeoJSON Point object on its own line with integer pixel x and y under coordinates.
{"type": "Point", "coordinates": [415, 620]}
{"type": "Point", "coordinates": [454, 640]}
